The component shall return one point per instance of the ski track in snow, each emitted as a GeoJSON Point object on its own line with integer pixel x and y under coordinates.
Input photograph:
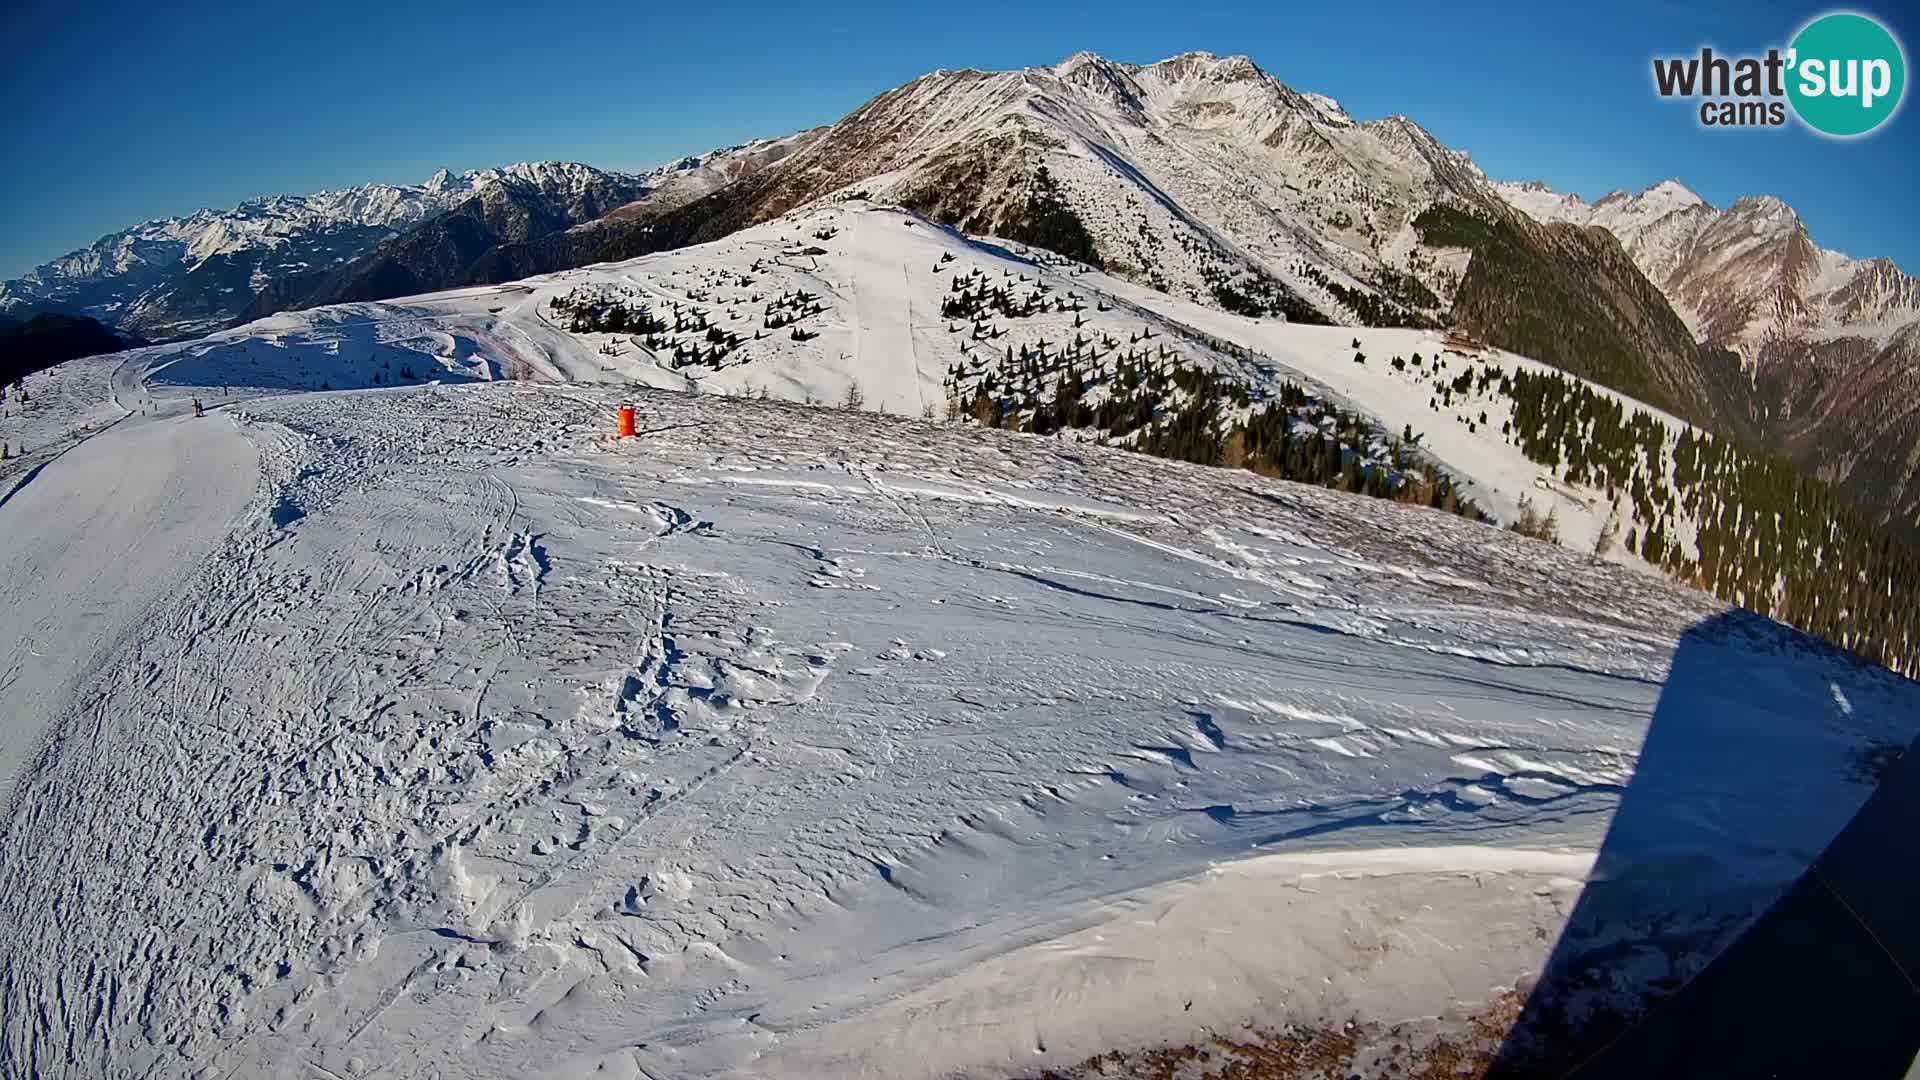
{"type": "Point", "coordinates": [71, 582]}
{"type": "Point", "coordinates": [883, 327]}
{"type": "Point", "coordinates": [780, 741]}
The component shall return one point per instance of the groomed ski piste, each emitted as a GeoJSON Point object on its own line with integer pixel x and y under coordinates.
{"type": "Point", "coordinates": [359, 729]}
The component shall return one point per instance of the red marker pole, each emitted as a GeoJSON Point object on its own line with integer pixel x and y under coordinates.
{"type": "Point", "coordinates": [626, 421]}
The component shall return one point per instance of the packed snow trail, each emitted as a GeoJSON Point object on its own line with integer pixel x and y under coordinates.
{"type": "Point", "coordinates": [491, 747]}
{"type": "Point", "coordinates": [98, 537]}
{"type": "Point", "coordinates": [883, 338]}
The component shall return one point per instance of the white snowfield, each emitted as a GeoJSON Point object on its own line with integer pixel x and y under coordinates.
{"type": "Point", "coordinates": [881, 275]}
{"type": "Point", "coordinates": [429, 731]}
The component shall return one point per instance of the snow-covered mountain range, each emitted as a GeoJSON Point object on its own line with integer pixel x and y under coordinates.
{"type": "Point", "coordinates": [188, 275]}
{"type": "Point", "coordinates": [1207, 178]}
{"type": "Point", "coordinates": [1743, 277]}
{"type": "Point", "coordinates": [1187, 172]}
{"type": "Point", "coordinates": [1200, 176]}
{"type": "Point", "coordinates": [1806, 321]}
{"type": "Point", "coordinates": [1191, 173]}
{"type": "Point", "coordinates": [1832, 343]}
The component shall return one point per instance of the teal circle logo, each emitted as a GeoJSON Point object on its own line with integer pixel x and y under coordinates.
{"type": "Point", "coordinates": [1848, 74]}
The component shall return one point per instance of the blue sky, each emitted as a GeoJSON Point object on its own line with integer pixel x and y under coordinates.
{"type": "Point", "coordinates": [121, 112]}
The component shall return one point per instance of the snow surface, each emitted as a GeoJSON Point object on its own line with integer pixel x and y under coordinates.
{"type": "Point", "coordinates": [158, 494]}
{"type": "Point", "coordinates": [882, 282]}
{"type": "Point", "coordinates": [426, 729]}
{"type": "Point", "coordinates": [60, 408]}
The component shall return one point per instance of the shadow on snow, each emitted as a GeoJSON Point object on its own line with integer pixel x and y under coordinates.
{"type": "Point", "coordinates": [1724, 809]}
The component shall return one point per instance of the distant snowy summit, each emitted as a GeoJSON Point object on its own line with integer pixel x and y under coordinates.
{"type": "Point", "coordinates": [200, 272]}
{"type": "Point", "coordinates": [183, 275]}
{"type": "Point", "coordinates": [1744, 276]}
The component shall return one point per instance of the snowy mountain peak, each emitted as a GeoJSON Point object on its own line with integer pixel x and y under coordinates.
{"type": "Point", "coordinates": [1764, 210]}
{"type": "Point", "coordinates": [558, 176]}
{"type": "Point", "coordinates": [438, 181]}
{"type": "Point", "coordinates": [1538, 199]}
{"type": "Point", "coordinates": [1402, 132]}
{"type": "Point", "coordinates": [1100, 76]}
{"type": "Point", "coordinates": [1079, 61]}
{"type": "Point", "coordinates": [1673, 192]}
{"type": "Point", "coordinates": [1204, 75]}
{"type": "Point", "coordinates": [1187, 67]}
{"type": "Point", "coordinates": [1329, 108]}
{"type": "Point", "coordinates": [1186, 171]}
{"type": "Point", "coordinates": [1207, 65]}
{"type": "Point", "coordinates": [1186, 75]}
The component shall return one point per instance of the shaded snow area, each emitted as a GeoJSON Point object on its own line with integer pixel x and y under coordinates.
{"type": "Point", "coordinates": [789, 742]}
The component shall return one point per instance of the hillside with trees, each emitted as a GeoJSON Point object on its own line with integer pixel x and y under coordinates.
{"type": "Point", "coordinates": [1571, 297]}
{"type": "Point", "coordinates": [50, 338]}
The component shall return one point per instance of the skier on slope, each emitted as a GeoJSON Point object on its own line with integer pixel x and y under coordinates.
{"type": "Point", "coordinates": [197, 410]}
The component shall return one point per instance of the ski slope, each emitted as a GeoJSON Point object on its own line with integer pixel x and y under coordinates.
{"type": "Point", "coordinates": [881, 280]}
{"type": "Point", "coordinates": [414, 726]}
{"type": "Point", "coordinates": [91, 544]}
{"type": "Point", "coordinates": [783, 741]}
